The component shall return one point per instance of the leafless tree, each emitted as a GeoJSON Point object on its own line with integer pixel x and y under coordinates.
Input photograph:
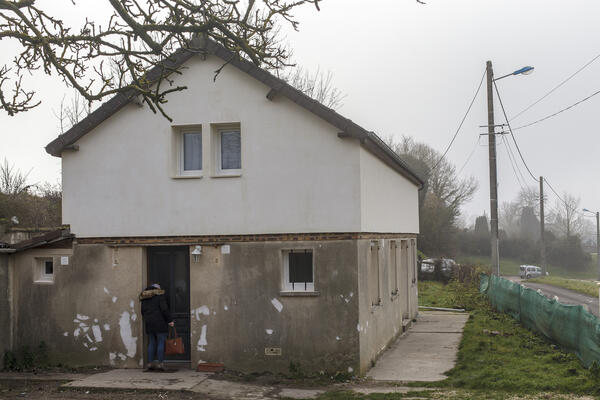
{"type": "Point", "coordinates": [12, 182]}
{"type": "Point", "coordinates": [104, 59]}
{"type": "Point", "coordinates": [70, 114]}
{"type": "Point", "coordinates": [442, 181]}
{"type": "Point", "coordinates": [316, 85]}
{"type": "Point", "coordinates": [566, 218]}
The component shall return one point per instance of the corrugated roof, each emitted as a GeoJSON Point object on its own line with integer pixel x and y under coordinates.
{"type": "Point", "coordinates": [278, 87]}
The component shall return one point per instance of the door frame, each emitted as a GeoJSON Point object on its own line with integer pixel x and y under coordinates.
{"type": "Point", "coordinates": [149, 252]}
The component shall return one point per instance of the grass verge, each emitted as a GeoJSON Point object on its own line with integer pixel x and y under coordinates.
{"type": "Point", "coordinates": [585, 287]}
{"type": "Point", "coordinates": [510, 266]}
{"type": "Point", "coordinates": [498, 355]}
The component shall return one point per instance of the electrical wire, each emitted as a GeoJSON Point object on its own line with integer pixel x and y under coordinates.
{"type": "Point", "coordinates": [512, 163]}
{"type": "Point", "coordinates": [469, 157]}
{"type": "Point", "coordinates": [558, 112]}
{"type": "Point", "coordinates": [460, 125]}
{"type": "Point", "coordinates": [512, 135]}
{"type": "Point", "coordinates": [555, 88]}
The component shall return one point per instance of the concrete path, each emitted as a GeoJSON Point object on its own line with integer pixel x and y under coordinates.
{"type": "Point", "coordinates": [565, 296]}
{"type": "Point", "coordinates": [183, 379]}
{"type": "Point", "coordinates": [426, 352]}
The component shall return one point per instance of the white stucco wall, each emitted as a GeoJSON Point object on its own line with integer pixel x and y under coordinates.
{"type": "Point", "coordinates": [297, 175]}
{"type": "Point", "coordinates": [389, 202]}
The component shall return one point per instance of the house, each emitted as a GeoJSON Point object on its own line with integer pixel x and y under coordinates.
{"type": "Point", "coordinates": [283, 232]}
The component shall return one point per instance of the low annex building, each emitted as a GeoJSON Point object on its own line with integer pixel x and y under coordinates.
{"type": "Point", "coordinates": [282, 231]}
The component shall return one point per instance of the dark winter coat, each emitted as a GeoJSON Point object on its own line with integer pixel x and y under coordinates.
{"type": "Point", "coordinates": [155, 310]}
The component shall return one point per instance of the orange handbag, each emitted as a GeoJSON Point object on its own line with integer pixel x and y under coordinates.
{"type": "Point", "coordinates": [174, 344]}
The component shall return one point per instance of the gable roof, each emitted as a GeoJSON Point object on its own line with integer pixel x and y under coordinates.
{"type": "Point", "coordinates": [279, 87]}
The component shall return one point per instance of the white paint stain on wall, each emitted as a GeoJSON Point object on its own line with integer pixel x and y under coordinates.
{"type": "Point", "coordinates": [337, 338]}
{"type": "Point", "coordinates": [202, 342]}
{"type": "Point", "coordinates": [106, 327]}
{"type": "Point", "coordinates": [66, 334]}
{"type": "Point", "coordinates": [269, 331]}
{"type": "Point", "coordinates": [97, 333]}
{"type": "Point", "coordinates": [106, 291]}
{"type": "Point", "coordinates": [277, 304]}
{"type": "Point", "coordinates": [204, 310]}
{"type": "Point", "coordinates": [76, 332]}
{"type": "Point", "coordinates": [82, 317]}
{"type": "Point", "coordinates": [127, 337]}
{"type": "Point", "coordinates": [131, 304]}
{"type": "Point", "coordinates": [358, 328]}
{"type": "Point", "coordinates": [350, 369]}
{"type": "Point", "coordinates": [225, 308]}
{"type": "Point", "coordinates": [114, 299]}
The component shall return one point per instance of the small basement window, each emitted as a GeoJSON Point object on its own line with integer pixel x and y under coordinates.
{"type": "Point", "coordinates": [44, 270]}
{"type": "Point", "coordinates": [298, 271]}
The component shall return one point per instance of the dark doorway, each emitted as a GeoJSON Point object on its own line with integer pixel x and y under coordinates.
{"type": "Point", "coordinates": [170, 267]}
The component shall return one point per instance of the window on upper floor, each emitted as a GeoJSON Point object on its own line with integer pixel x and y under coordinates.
{"type": "Point", "coordinates": [189, 151]}
{"type": "Point", "coordinates": [298, 271]}
{"type": "Point", "coordinates": [227, 150]}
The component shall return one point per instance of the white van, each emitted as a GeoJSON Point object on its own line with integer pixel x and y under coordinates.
{"type": "Point", "coordinates": [529, 271]}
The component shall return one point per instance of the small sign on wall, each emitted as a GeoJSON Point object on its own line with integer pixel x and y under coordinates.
{"type": "Point", "coordinates": [64, 260]}
{"type": "Point", "coordinates": [225, 249]}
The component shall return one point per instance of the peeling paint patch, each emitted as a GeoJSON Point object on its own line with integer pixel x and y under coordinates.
{"type": "Point", "coordinates": [122, 356]}
{"type": "Point", "coordinates": [204, 310]}
{"type": "Point", "coordinates": [82, 317]}
{"type": "Point", "coordinates": [269, 331]}
{"type": "Point", "coordinates": [106, 327]}
{"type": "Point", "coordinates": [225, 308]}
{"type": "Point", "coordinates": [114, 299]}
{"type": "Point", "coordinates": [66, 334]}
{"type": "Point", "coordinates": [97, 333]}
{"type": "Point", "coordinates": [127, 337]}
{"type": "Point", "coordinates": [202, 342]}
{"type": "Point", "coordinates": [76, 321]}
{"type": "Point", "coordinates": [277, 304]}
{"type": "Point", "coordinates": [106, 291]}
{"type": "Point", "coordinates": [337, 338]}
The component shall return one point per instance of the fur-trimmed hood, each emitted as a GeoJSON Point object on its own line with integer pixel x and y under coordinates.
{"type": "Point", "coordinates": [149, 293]}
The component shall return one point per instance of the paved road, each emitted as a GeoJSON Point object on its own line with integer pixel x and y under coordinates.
{"type": "Point", "coordinates": [565, 296]}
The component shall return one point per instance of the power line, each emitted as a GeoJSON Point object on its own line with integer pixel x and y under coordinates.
{"type": "Point", "coordinates": [512, 164]}
{"type": "Point", "coordinates": [469, 157]}
{"type": "Point", "coordinates": [558, 112]}
{"type": "Point", "coordinates": [512, 135]}
{"type": "Point", "coordinates": [556, 87]}
{"type": "Point", "coordinates": [461, 124]}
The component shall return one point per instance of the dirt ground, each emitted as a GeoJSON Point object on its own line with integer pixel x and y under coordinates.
{"type": "Point", "coordinates": [23, 389]}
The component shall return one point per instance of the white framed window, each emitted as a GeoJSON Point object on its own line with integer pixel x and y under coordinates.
{"type": "Point", "coordinates": [43, 270]}
{"type": "Point", "coordinates": [227, 150]}
{"type": "Point", "coordinates": [188, 148]}
{"type": "Point", "coordinates": [298, 270]}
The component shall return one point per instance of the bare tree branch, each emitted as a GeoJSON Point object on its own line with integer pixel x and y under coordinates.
{"type": "Point", "coordinates": [101, 60]}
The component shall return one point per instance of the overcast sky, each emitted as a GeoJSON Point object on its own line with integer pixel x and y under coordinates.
{"type": "Point", "coordinates": [412, 69]}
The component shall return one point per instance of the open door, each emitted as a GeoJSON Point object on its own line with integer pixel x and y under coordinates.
{"type": "Point", "coordinates": [170, 267]}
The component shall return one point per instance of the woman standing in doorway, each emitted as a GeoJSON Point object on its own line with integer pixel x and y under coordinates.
{"type": "Point", "coordinates": [157, 320]}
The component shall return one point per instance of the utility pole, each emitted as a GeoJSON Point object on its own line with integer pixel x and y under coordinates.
{"type": "Point", "coordinates": [543, 243]}
{"type": "Point", "coordinates": [493, 175]}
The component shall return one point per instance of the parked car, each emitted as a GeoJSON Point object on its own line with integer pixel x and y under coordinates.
{"type": "Point", "coordinates": [530, 271]}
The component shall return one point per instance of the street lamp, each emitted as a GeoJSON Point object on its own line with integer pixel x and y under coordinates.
{"type": "Point", "coordinates": [492, 156]}
{"type": "Point", "coordinates": [597, 237]}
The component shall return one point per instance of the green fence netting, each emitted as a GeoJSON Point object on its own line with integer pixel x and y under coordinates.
{"type": "Point", "coordinates": [573, 327]}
